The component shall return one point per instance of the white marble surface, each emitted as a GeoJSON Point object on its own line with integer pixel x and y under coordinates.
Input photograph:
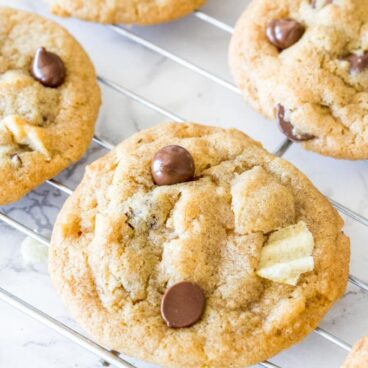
{"type": "Point", "coordinates": [26, 343]}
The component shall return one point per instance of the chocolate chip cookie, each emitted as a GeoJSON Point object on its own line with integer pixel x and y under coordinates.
{"type": "Point", "coordinates": [191, 246]}
{"type": "Point", "coordinates": [49, 101]}
{"type": "Point", "coordinates": [305, 64]}
{"type": "Point", "coordinates": [143, 12]}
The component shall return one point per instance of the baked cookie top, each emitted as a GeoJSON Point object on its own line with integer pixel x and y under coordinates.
{"type": "Point", "coordinates": [49, 101]}
{"type": "Point", "coordinates": [143, 12]}
{"type": "Point", "coordinates": [358, 358]}
{"type": "Point", "coordinates": [191, 246]}
{"type": "Point", "coordinates": [305, 63]}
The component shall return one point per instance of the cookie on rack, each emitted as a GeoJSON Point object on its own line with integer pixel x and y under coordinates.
{"type": "Point", "coordinates": [191, 246]}
{"type": "Point", "coordinates": [142, 12]}
{"type": "Point", "coordinates": [358, 358]}
{"type": "Point", "coordinates": [49, 102]}
{"type": "Point", "coordinates": [305, 64]}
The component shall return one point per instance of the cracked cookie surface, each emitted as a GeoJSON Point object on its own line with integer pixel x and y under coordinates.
{"type": "Point", "coordinates": [121, 241]}
{"type": "Point", "coordinates": [309, 59]}
{"type": "Point", "coordinates": [42, 130]}
{"type": "Point", "coordinates": [143, 12]}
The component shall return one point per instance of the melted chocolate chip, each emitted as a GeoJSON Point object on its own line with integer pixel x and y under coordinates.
{"type": "Point", "coordinates": [172, 165]}
{"type": "Point", "coordinates": [284, 33]}
{"type": "Point", "coordinates": [183, 305]}
{"type": "Point", "coordinates": [288, 129]}
{"type": "Point", "coordinates": [321, 3]}
{"type": "Point", "coordinates": [48, 68]}
{"type": "Point", "coordinates": [358, 63]}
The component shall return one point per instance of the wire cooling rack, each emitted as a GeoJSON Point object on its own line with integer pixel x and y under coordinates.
{"type": "Point", "coordinates": [106, 355]}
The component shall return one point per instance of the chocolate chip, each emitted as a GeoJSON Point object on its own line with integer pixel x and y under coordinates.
{"type": "Point", "coordinates": [183, 305]}
{"type": "Point", "coordinates": [358, 63]}
{"type": "Point", "coordinates": [288, 129]}
{"type": "Point", "coordinates": [48, 68]}
{"type": "Point", "coordinates": [320, 3]}
{"type": "Point", "coordinates": [172, 165]}
{"type": "Point", "coordinates": [284, 33]}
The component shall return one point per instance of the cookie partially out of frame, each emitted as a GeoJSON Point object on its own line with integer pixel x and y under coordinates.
{"type": "Point", "coordinates": [358, 358]}
{"type": "Point", "coordinates": [143, 12]}
{"type": "Point", "coordinates": [305, 64]}
{"type": "Point", "coordinates": [49, 101]}
{"type": "Point", "coordinates": [191, 246]}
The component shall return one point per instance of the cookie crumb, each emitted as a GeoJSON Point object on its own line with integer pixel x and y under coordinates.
{"type": "Point", "coordinates": [34, 251]}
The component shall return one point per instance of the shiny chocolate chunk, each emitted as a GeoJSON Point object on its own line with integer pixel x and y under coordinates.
{"type": "Point", "coordinates": [358, 63]}
{"type": "Point", "coordinates": [288, 129]}
{"type": "Point", "coordinates": [48, 68]}
{"type": "Point", "coordinates": [284, 33]}
{"type": "Point", "coordinates": [320, 3]}
{"type": "Point", "coordinates": [183, 305]}
{"type": "Point", "coordinates": [172, 165]}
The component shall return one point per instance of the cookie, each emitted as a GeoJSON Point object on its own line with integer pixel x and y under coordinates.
{"type": "Point", "coordinates": [358, 358]}
{"type": "Point", "coordinates": [142, 12]}
{"type": "Point", "coordinates": [191, 246]}
{"type": "Point", "coordinates": [49, 101]}
{"type": "Point", "coordinates": [304, 63]}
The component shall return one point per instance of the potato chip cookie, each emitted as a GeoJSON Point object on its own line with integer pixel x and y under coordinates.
{"type": "Point", "coordinates": [304, 63]}
{"type": "Point", "coordinates": [358, 358]}
{"type": "Point", "coordinates": [191, 246]}
{"type": "Point", "coordinates": [49, 102]}
{"type": "Point", "coordinates": [143, 12]}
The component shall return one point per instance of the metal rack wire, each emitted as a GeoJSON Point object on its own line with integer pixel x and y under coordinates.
{"type": "Point", "coordinates": [112, 357]}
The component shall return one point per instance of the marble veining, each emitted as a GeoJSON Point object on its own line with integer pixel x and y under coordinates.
{"type": "Point", "coordinates": [26, 343]}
